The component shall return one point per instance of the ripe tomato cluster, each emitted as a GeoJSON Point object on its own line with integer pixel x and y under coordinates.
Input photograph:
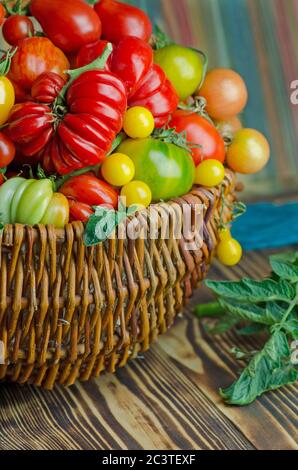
{"type": "Point", "coordinates": [96, 106]}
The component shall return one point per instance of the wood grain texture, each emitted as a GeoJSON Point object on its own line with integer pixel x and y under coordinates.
{"type": "Point", "coordinates": [165, 400]}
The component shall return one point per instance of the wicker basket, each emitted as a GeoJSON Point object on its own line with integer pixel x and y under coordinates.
{"type": "Point", "coordinates": [69, 312]}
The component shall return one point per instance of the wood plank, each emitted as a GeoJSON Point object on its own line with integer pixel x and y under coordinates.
{"type": "Point", "coordinates": [167, 400]}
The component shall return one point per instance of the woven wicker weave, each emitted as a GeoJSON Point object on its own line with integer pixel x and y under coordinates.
{"type": "Point", "coordinates": [69, 312]}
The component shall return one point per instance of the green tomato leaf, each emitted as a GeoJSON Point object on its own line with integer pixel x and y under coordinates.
{"type": "Point", "coordinates": [249, 290]}
{"type": "Point", "coordinates": [252, 329]}
{"type": "Point", "coordinates": [268, 370]}
{"type": "Point", "coordinates": [269, 314]}
{"type": "Point", "coordinates": [285, 270]}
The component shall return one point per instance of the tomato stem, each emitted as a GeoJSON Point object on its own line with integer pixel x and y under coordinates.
{"type": "Point", "coordinates": [99, 64]}
{"type": "Point", "coordinates": [210, 310]}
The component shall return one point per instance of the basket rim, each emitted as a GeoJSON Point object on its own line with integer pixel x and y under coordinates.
{"type": "Point", "coordinates": [61, 233]}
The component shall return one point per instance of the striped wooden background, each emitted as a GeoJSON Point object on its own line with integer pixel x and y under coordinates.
{"type": "Point", "coordinates": [167, 399]}
{"type": "Point", "coordinates": [259, 39]}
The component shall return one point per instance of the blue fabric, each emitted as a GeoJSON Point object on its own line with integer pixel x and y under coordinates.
{"type": "Point", "coordinates": [267, 225]}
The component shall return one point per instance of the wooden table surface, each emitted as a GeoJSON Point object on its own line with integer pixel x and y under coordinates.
{"type": "Point", "coordinates": [166, 400]}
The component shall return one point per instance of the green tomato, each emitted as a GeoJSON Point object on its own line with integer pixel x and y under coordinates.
{"type": "Point", "coordinates": [168, 170]}
{"type": "Point", "coordinates": [17, 198]}
{"type": "Point", "coordinates": [7, 192]}
{"type": "Point", "coordinates": [34, 202]}
{"type": "Point", "coordinates": [183, 67]}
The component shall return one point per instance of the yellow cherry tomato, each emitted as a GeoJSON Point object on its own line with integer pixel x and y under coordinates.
{"type": "Point", "coordinates": [136, 193]}
{"type": "Point", "coordinates": [225, 234]}
{"type": "Point", "coordinates": [138, 122]}
{"type": "Point", "coordinates": [209, 173]}
{"type": "Point", "coordinates": [229, 252]}
{"type": "Point", "coordinates": [7, 99]}
{"type": "Point", "coordinates": [118, 169]}
{"type": "Point", "coordinates": [249, 152]}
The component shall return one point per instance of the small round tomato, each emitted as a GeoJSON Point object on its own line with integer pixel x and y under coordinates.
{"type": "Point", "coordinates": [209, 173]}
{"type": "Point", "coordinates": [118, 169]}
{"type": "Point", "coordinates": [249, 152]}
{"type": "Point", "coordinates": [2, 14]}
{"type": "Point", "coordinates": [7, 99]}
{"type": "Point", "coordinates": [183, 67]}
{"type": "Point", "coordinates": [225, 93]}
{"type": "Point", "coordinates": [136, 193]}
{"type": "Point", "coordinates": [229, 127]}
{"type": "Point", "coordinates": [2, 179]}
{"type": "Point", "coordinates": [16, 28]}
{"type": "Point", "coordinates": [138, 122]}
{"type": "Point", "coordinates": [229, 252]}
{"type": "Point", "coordinates": [199, 131]}
{"type": "Point", "coordinates": [7, 150]}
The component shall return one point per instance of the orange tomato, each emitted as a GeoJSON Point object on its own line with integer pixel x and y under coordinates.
{"type": "Point", "coordinates": [2, 14]}
{"type": "Point", "coordinates": [225, 93]}
{"type": "Point", "coordinates": [249, 152]}
{"type": "Point", "coordinates": [229, 127]}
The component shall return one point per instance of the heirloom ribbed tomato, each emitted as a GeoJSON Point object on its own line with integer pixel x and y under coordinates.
{"type": "Point", "coordinates": [146, 83]}
{"type": "Point", "coordinates": [30, 125]}
{"type": "Point", "coordinates": [75, 132]}
{"type": "Point", "coordinates": [70, 24]}
{"type": "Point", "coordinates": [46, 87]}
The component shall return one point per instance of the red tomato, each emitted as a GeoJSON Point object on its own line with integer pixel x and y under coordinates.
{"type": "Point", "coordinates": [201, 132]}
{"type": "Point", "coordinates": [47, 87]}
{"type": "Point", "coordinates": [7, 150]}
{"type": "Point", "coordinates": [35, 56]}
{"type": "Point", "coordinates": [16, 28]}
{"type": "Point", "coordinates": [21, 95]}
{"type": "Point", "coordinates": [2, 13]}
{"type": "Point", "coordinates": [70, 24]}
{"type": "Point", "coordinates": [79, 211]}
{"type": "Point", "coordinates": [131, 61]}
{"type": "Point", "coordinates": [86, 191]}
{"type": "Point", "coordinates": [225, 92]}
{"type": "Point", "coordinates": [120, 20]}
{"type": "Point", "coordinates": [2, 179]}
{"type": "Point", "coordinates": [90, 52]}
